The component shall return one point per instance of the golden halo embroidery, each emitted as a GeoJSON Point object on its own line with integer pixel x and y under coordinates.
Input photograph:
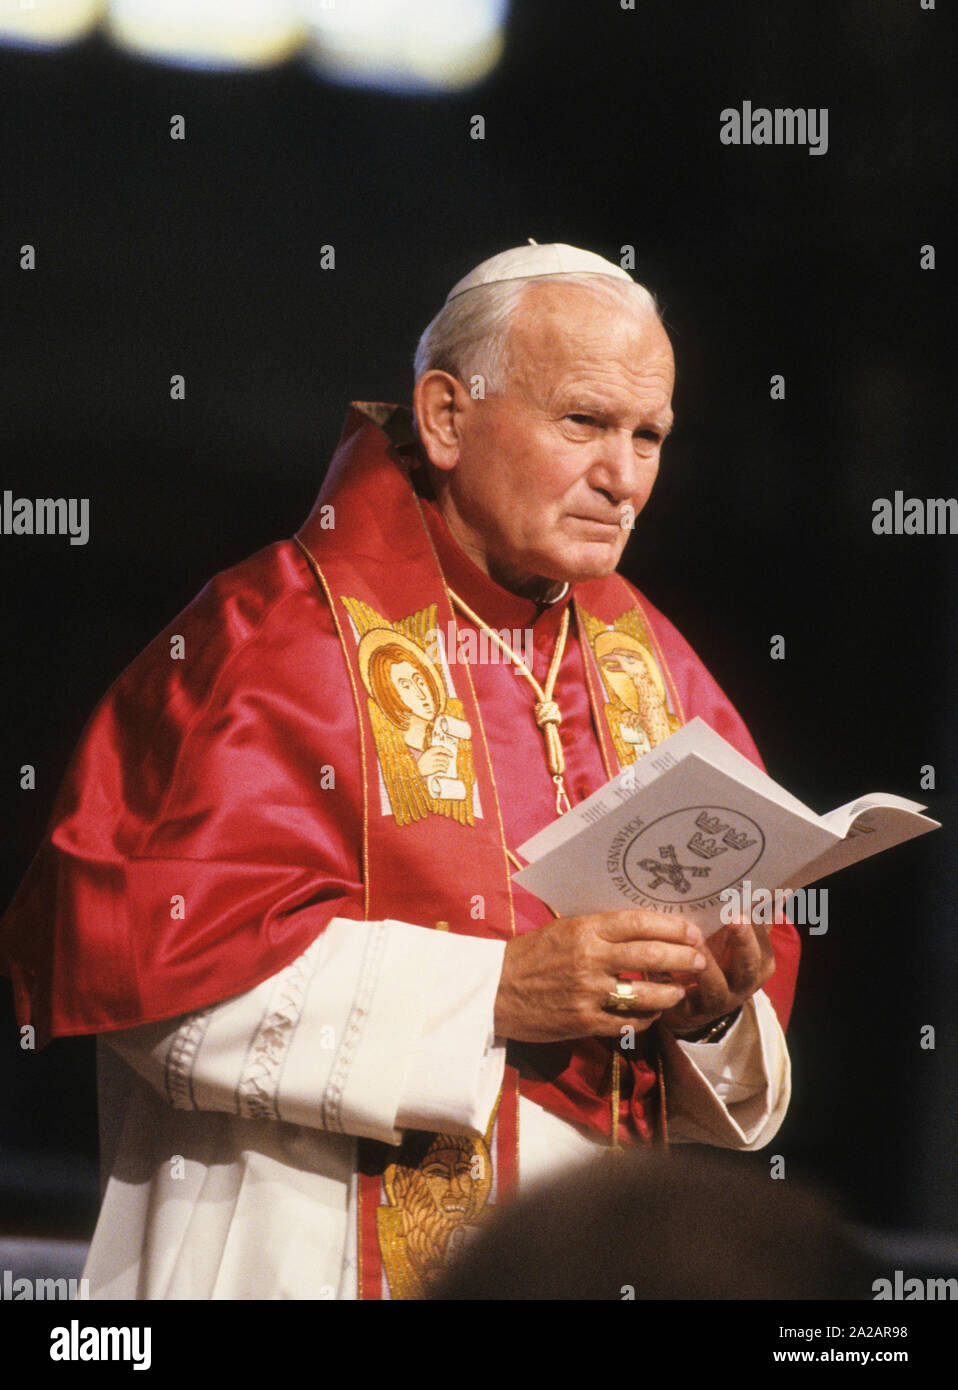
{"type": "Point", "coordinates": [423, 743]}
{"type": "Point", "coordinates": [637, 709]}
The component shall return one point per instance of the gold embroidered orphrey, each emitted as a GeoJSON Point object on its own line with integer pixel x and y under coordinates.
{"type": "Point", "coordinates": [637, 710]}
{"type": "Point", "coordinates": [438, 1192]}
{"type": "Point", "coordinates": [423, 742]}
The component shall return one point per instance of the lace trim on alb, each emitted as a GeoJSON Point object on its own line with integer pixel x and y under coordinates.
{"type": "Point", "coordinates": [181, 1058]}
{"type": "Point", "coordinates": [358, 1014]}
{"type": "Point", "coordinates": [257, 1093]}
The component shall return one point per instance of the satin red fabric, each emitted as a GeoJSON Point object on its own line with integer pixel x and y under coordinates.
{"type": "Point", "coordinates": [198, 844]}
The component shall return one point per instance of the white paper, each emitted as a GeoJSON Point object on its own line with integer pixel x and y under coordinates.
{"type": "Point", "coordinates": [692, 820]}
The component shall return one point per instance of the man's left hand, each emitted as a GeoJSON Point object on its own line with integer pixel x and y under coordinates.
{"type": "Point", "coordinates": [739, 959]}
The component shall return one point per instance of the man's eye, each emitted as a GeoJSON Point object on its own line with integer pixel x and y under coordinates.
{"type": "Point", "coordinates": [581, 419]}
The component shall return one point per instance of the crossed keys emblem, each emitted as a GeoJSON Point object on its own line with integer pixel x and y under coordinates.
{"type": "Point", "coordinates": [667, 870]}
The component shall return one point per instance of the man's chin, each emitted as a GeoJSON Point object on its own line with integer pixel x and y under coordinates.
{"type": "Point", "coordinates": [592, 561]}
{"type": "Point", "coordinates": [573, 565]}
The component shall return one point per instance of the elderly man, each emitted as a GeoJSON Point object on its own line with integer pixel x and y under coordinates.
{"type": "Point", "coordinates": [279, 875]}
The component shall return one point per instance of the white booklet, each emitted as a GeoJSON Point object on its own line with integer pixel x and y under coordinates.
{"type": "Point", "coordinates": [692, 820]}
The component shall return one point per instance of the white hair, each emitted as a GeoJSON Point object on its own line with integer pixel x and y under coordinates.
{"type": "Point", "coordinates": [470, 336]}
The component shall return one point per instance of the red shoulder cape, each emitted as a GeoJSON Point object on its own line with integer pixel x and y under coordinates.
{"type": "Point", "coordinates": [189, 854]}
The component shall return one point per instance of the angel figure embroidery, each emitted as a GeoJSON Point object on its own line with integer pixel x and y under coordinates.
{"type": "Point", "coordinates": [423, 741]}
{"type": "Point", "coordinates": [637, 709]}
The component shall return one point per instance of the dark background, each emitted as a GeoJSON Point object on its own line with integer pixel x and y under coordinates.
{"type": "Point", "coordinates": [201, 257]}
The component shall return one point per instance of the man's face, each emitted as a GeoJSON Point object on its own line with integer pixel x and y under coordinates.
{"type": "Point", "coordinates": [545, 470]}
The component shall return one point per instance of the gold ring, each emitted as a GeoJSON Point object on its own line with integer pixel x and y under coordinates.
{"type": "Point", "coordinates": [623, 999]}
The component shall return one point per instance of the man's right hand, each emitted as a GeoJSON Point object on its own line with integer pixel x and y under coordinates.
{"type": "Point", "coordinates": [556, 980]}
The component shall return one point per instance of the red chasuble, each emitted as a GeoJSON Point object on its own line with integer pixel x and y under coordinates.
{"type": "Point", "coordinates": [320, 734]}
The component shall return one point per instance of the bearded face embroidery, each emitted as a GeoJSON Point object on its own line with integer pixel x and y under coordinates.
{"type": "Point", "coordinates": [637, 708]}
{"type": "Point", "coordinates": [437, 1196]}
{"type": "Point", "coordinates": [423, 743]}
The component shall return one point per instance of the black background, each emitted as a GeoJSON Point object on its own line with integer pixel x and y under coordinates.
{"type": "Point", "coordinates": [201, 257]}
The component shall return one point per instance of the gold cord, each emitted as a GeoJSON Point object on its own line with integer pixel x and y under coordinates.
{"type": "Point", "coordinates": [547, 714]}
{"type": "Point", "coordinates": [548, 718]}
{"type": "Point", "coordinates": [616, 1093]}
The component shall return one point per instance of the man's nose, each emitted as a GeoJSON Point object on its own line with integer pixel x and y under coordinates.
{"type": "Point", "coordinates": [619, 470]}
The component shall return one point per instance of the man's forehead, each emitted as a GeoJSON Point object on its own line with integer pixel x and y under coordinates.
{"type": "Point", "coordinates": [568, 318]}
{"type": "Point", "coordinates": [561, 332]}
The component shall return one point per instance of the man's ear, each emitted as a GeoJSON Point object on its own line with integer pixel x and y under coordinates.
{"type": "Point", "coordinates": [439, 400]}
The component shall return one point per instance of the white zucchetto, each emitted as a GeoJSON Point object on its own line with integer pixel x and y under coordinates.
{"type": "Point", "coordinates": [526, 262]}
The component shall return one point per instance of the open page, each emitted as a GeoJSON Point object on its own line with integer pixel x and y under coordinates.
{"type": "Point", "coordinates": [675, 846]}
{"type": "Point", "coordinates": [693, 738]}
{"type": "Point", "coordinates": [869, 825]}
{"type": "Point", "coordinates": [693, 820]}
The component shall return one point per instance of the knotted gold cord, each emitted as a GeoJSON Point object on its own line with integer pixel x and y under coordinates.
{"type": "Point", "coordinates": [548, 718]}
{"type": "Point", "coordinates": [547, 714]}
